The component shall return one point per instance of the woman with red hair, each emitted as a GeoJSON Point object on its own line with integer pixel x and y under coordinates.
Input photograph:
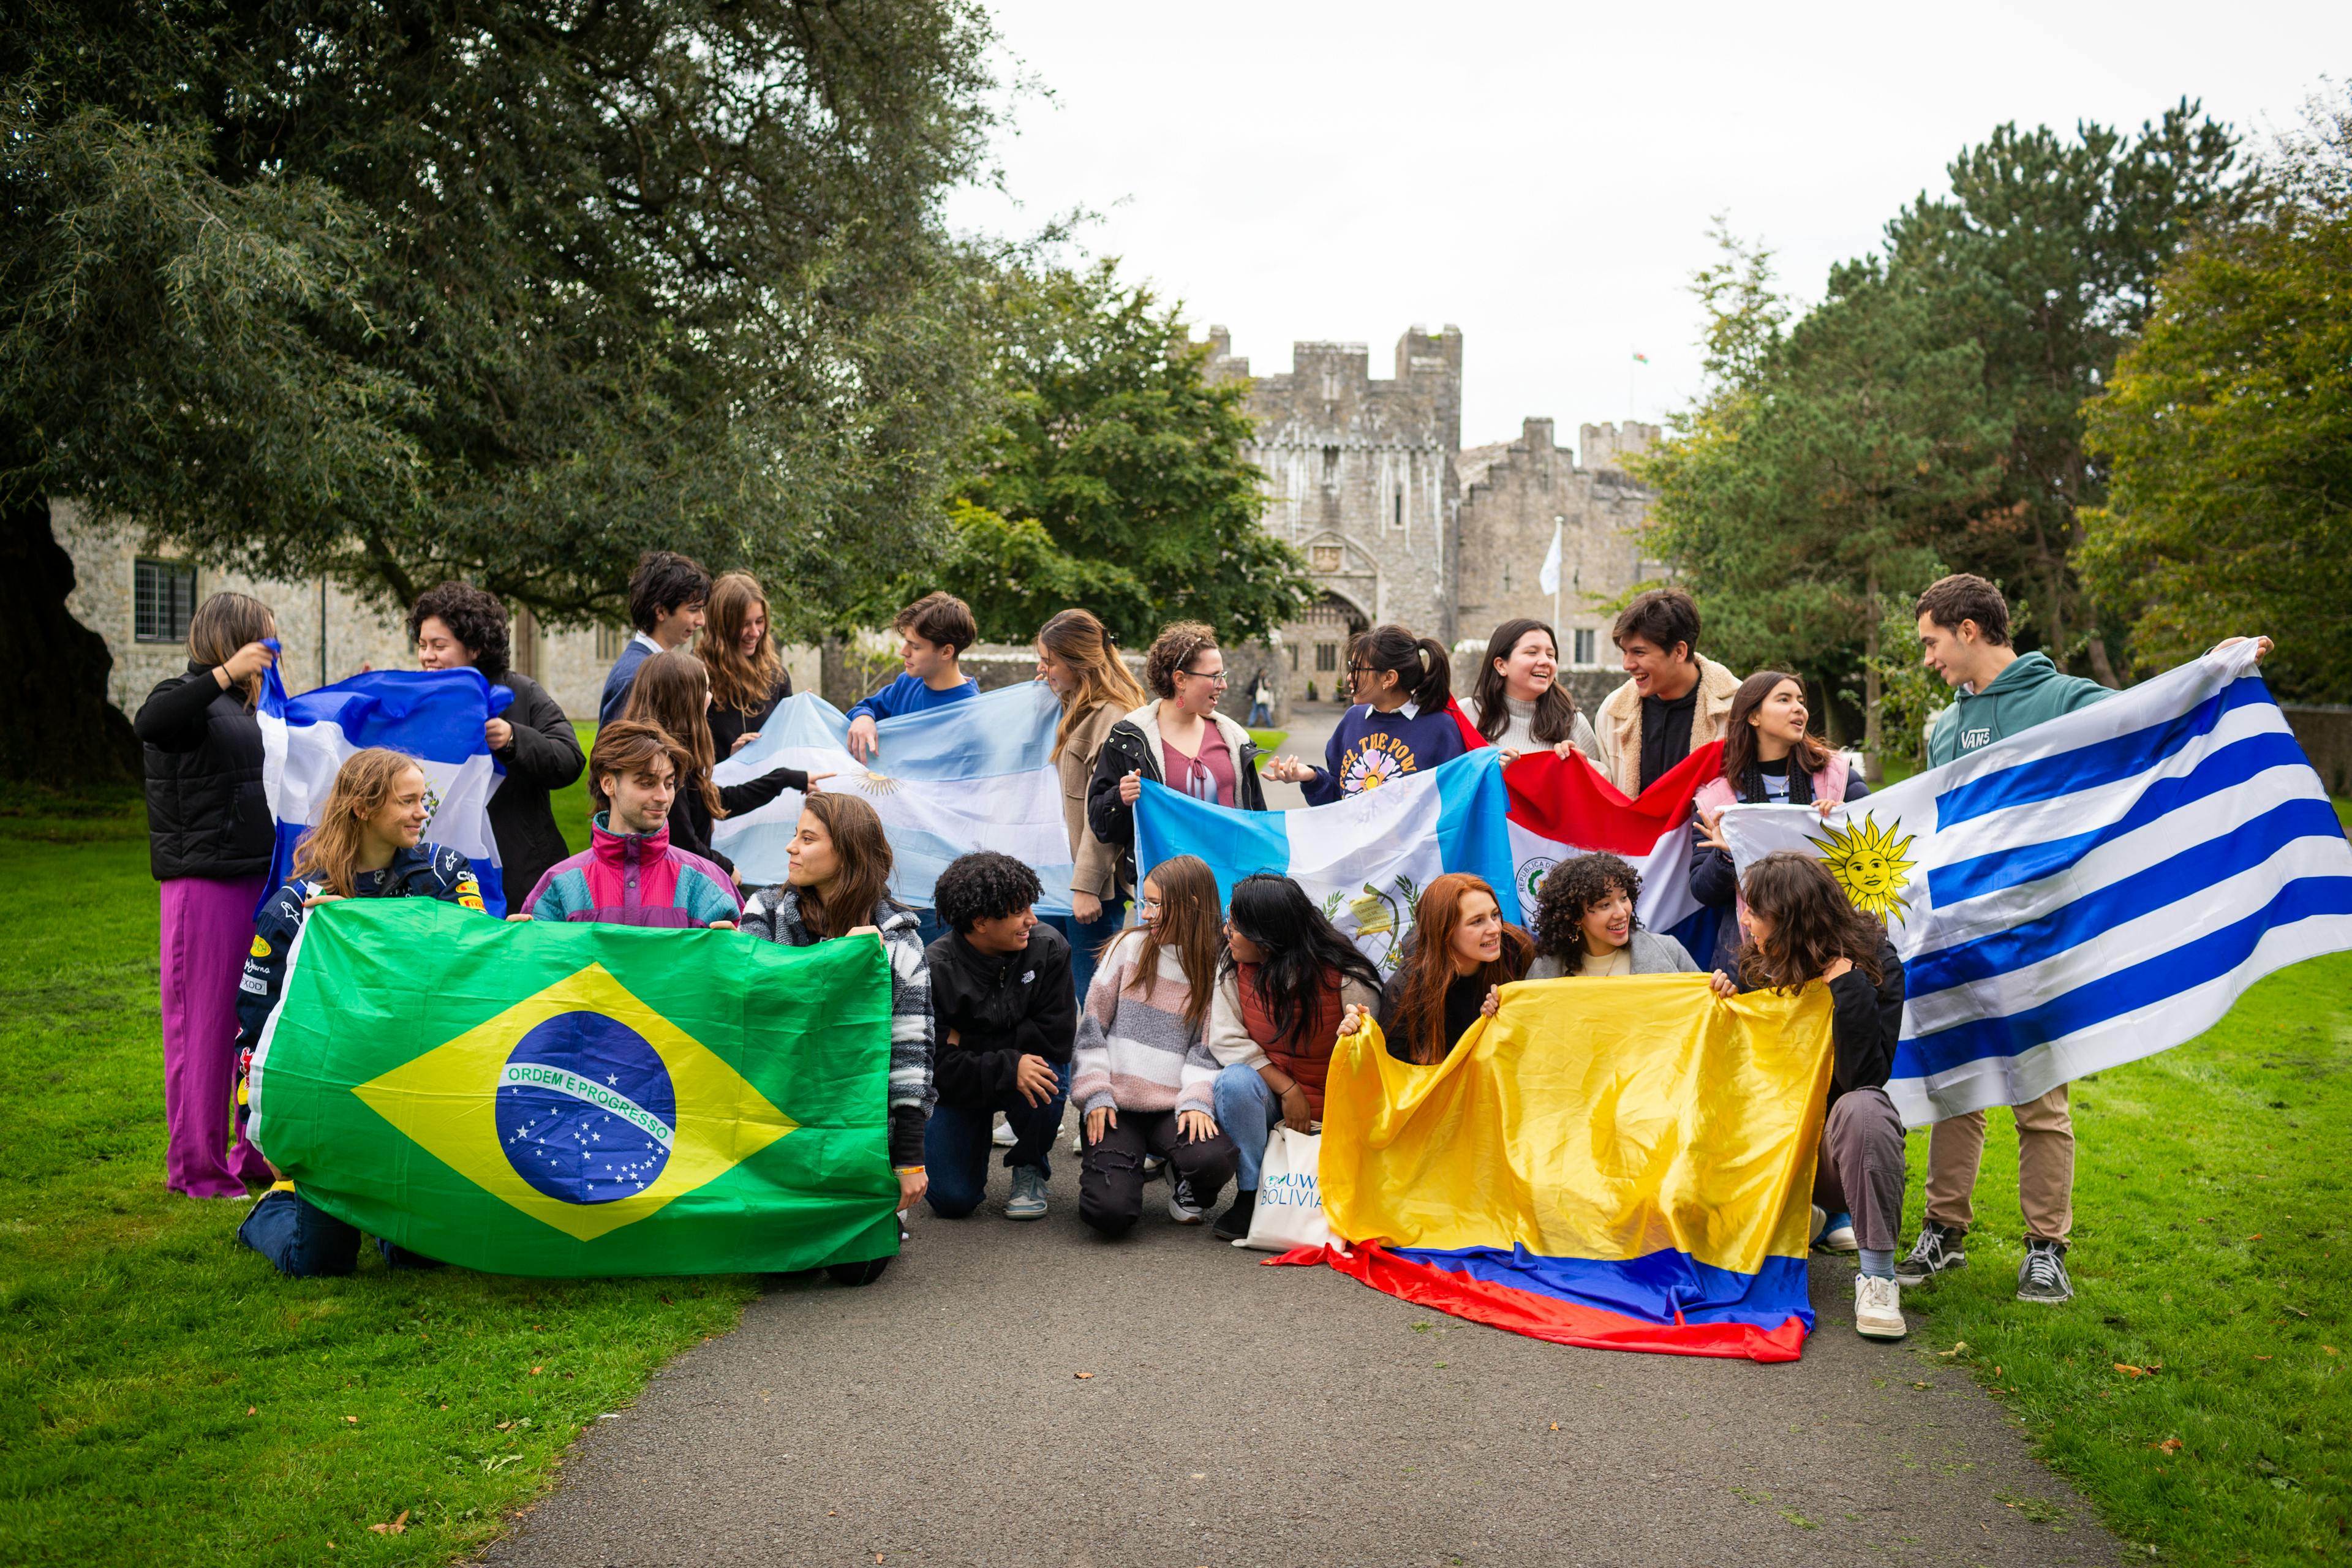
{"type": "Point", "coordinates": [1461, 949]}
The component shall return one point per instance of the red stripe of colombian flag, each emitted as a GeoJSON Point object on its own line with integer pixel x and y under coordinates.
{"type": "Point", "coordinates": [1569, 801]}
{"type": "Point", "coordinates": [1624, 1164]}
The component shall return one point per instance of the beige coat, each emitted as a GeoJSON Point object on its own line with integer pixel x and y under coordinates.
{"type": "Point", "coordinates": [1097, 863]}
{"type": "Point", "coordinates": [1619, 724]}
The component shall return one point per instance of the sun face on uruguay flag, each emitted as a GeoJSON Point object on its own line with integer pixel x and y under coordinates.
{"type": "Point", "coordinates": [580, 1106]}
{"type": "Point", "coordinates": [1868, 863]}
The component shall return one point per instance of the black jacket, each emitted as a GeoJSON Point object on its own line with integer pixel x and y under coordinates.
{"type": "Point", "coordinates": [1126, 750]}
{"type": "Point", "coordinates": [1865, 1021]}
{"type": "Point", "coordinates": [691, 819]}
{"type": "Point", "coordinates": [542, 756]}
{"type": "Point", "coordinates": [1002, 1008]}
{"type": "Point", "coordinates": [207, 814]}
{"type": "Point", "coordinates": [728, 724]}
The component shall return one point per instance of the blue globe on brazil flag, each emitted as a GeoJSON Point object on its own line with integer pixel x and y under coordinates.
{"type": "Point", "coordinates": [586, 1111]}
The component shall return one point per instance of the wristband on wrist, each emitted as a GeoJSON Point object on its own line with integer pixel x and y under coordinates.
{"type": "Point", "coordinates": [908, 1170]}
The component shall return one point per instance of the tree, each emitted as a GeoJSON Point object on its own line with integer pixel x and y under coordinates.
{"type": "Point", "coordinates": [2045, 255]}
{"type": "Point", "coordinates": [508, 291]}
{"type": "Point", "coordinates": [2229, 430]}
{"type": "Point", "coordinates": [1112, 474]}
{"type": "Point", "coordinates": [1811, 489]}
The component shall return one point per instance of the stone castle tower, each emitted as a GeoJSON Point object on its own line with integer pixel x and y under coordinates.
{"type": "Point", "coordinates": [1368, 479]}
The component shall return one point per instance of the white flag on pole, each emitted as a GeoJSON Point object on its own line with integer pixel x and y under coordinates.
{"type": "Point", "coordinates": [1548, 578]}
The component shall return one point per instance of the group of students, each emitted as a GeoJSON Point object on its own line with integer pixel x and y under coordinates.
{"type": "Point", "coordinates": [1185, 1029]}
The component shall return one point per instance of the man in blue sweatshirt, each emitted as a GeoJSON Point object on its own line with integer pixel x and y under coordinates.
{"type": "Point", "coordinates": [933, 633]}
{"type": "Point", "coordinates": [666, 592]}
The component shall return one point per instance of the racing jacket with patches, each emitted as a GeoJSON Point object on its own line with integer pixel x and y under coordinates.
{"type": "Point", "coordinates": [427, 872]}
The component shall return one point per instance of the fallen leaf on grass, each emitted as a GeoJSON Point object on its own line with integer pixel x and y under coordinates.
{"type": "Point", "coordinates": [536, 1371]}
{"type": "Point", "coordinates": [2169, 1446]}
{"type": "Point", "coordinates": [2130, 1370]}
{"type": "Point", "coordinates": [353, 1419]}
{"type": "Point", "coordinates": [1954, 1351]}
{"type": "Point", "coordinates": [2256, 1236]}
{"type": "Point", "coordinates": [503, 1425]}
{"type": "Point", "coordinates": [249, 1410]}
{"type": "Point", "coordinates": [2261, 1358]}
{"type": "Point", "coordinates": [2331, 1350]}
{"type": "Point", "coordinates": [1076, 1374]}
{"type": "Point", "coordinates": [398, 1527]}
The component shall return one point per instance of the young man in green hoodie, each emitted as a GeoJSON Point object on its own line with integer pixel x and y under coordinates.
{"type": "Point", "coordinates": [1996, 692]}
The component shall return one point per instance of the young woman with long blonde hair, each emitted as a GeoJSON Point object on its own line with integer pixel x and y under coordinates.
{"type": "Point", "coordinates": [1078, 661]}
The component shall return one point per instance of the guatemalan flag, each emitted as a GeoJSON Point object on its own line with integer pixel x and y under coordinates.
{"type": "Point", "coordinates": [1563, 807]}
{"type": "Point", "coordinates": [1365, 859]}
{"type": "Point", "coordinates": [434, 716]}
{"type": "Point", "coordinates": [2093, 890]}
{"type": "Point", "coordinates": [975, 774]}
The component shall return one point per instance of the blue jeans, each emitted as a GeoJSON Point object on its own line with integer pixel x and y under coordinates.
{"type": "Point", "coordinates": [1247, 1112]}
{"type": "Point", "coordinates": [956, 1144]}
{"type": "Point", "coordinates": [1086, 940]}
{"type": "Point", "coordinates": [307, 1242]}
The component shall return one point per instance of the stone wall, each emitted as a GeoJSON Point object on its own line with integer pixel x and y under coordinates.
{"type": "Point", "coordinates": [857, 668]}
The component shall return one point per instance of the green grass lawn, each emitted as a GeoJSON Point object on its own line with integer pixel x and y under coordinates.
{"type": "Point", "coordinates": [165, 1397]}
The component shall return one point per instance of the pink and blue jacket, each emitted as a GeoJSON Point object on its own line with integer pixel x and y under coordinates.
{"type": "Point", "coordinates": [622, 879]}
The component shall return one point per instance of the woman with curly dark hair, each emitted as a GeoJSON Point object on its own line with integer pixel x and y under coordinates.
{"type": "Point", "coordinates": [1801, 928]}
{"type": "Point", "coordinates": [1585, 924]}
{"type": "Point", "coordinates": [456, 626]}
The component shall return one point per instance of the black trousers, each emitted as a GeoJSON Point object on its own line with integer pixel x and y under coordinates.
{"type": "Point", "coordinates": [1110, 1172]}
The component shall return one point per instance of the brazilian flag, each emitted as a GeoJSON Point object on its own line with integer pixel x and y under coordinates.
{"type": "Point", "coordinates": [582, 1099]}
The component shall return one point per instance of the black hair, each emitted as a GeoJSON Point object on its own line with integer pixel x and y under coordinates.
{"type": "Point", "coordinates": [1570, 888]}
{"type": "Point", "coordinates": [1663, 616]}
{"type": "Point", "coordinates": [1422, 665]}
{"type": "Point", "coordinates": [1303, 949]}
{"type": "Point", "coordinates": [665, 579]}
{"type": "Point", "coordinates": [1965, 596]}
{"type": "Point", "coordinates": [474, 617]}
{"type": "Point", "coordinates": [983, 886]}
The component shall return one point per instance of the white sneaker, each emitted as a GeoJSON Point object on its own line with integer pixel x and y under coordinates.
{"type": "Point", "coordinates": [1003, 1135]}
{"type": "Point", "coordinates": [1878, 1308]}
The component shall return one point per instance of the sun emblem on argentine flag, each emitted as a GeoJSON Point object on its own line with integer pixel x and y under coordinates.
{"type": "Point", "coordinates": [872, 782]}
{"type": "Point", "coordinates": [1868, 863]}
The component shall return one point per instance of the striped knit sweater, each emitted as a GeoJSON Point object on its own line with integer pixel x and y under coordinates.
{"type": "Point", "coordinates": [1137, 1055]}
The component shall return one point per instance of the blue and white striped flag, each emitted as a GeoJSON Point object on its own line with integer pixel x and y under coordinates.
{"type": "Point", "coordinates": [436, 716]}
{"type": "Point", "coordinates": [2096, 890]}
{"type": "Point", "coordinates": [976, 775]}
{"type": "Point", "coordinates": [1365, 858]}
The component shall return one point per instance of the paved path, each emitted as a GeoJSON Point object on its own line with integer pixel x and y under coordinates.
{"type": "Point", "coordinates": [1241, 1415]}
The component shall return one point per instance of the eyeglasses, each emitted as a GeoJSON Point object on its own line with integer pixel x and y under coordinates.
{"type": "Point", "coordinates": [1359, 670]}
{"type": "Point", "coordinates": [1216, 676]}
{"type": "Point", "coordinates": [1146, 903]}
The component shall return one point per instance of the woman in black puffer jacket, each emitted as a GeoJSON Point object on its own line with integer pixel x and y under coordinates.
{"type": "Point", "coordinates": [209, 837]}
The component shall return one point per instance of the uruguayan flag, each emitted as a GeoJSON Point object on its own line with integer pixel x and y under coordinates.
{"type": "Point", "coordinates": [2096, 890]}
{"type": "Point", "coordinates": [1365, 858]}
{"type": "Point", "coordinates": [434, 716]}
{"type": "Point", "coordinates": [969, 775]}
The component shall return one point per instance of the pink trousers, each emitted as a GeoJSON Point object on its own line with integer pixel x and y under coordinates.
{"type": "Point", "coordinates": [207, 926]}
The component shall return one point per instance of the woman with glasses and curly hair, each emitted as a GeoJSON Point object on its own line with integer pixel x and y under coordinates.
{"type": "Point", "coordinates": [1178, 739]}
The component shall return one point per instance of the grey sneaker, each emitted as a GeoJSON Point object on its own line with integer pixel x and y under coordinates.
{"type": "Point", "coordinates": [1939, 1247]}
{"type": "Point", "coordinates": [2042, 1277]}
{"type": "Point", "coordinates": [1182, 1206]}
{"type": "Point", "coordinates": [1028, 1200]}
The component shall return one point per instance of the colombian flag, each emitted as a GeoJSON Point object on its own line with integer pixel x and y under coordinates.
{"type": "Point", "coordinates": [582, 1099]}
{"type": "Point", "coordinates": [1622, 1163]}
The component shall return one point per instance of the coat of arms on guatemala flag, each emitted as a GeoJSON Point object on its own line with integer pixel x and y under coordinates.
{"type": "Point", "coordinates": [581, 1099]}
{"type": "Point", "coordinates": [2089, 891]}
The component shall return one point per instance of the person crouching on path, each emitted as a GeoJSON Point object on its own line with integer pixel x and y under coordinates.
{"type": "Point", "coordinates": [1585, 924]}
{"type": "Point", "coordinates": [1144, 1074]}
{"type": "Point", "coordinates": [1769, 759]}
{"type": "Point", "coordinates": [1403, 721]}
{"type": "Point", "coordinates": [210, 837]}
{"type": "Point", "coordinates": [837, 886]}
{"type": "Point", "coordinates": [1287, 979]}
{"type": "Point", "coordinates": [1005, 1016]}
{"type": "Point", "coordinates": [1178, 739]}
{"type": "Point", "coordinates": [1800, 927]}
{"type": "Point", "coordinates": [367, 845]}
{"type": "Point", "coordinates": [1460, 952]}
{"type": "Point", "coordinates": [629, 874]}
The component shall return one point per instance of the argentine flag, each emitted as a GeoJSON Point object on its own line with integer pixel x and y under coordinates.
{"type": "Point", "coordinates": [1365, 859]}
{"type": "Point", "coordinates": [434, 716]}
{"type": "Point", "coordinates": [976, 775]}
{"type": "Point", "coordinates": [2096, 890]}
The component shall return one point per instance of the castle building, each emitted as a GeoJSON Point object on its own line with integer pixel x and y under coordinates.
{"type": "Point", "coordinates": [1369, 479]}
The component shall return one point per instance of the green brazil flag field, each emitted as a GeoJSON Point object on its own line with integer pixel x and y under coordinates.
{"type": "Point", "coordinates": [582, 1099]}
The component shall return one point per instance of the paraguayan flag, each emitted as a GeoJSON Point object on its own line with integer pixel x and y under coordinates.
{"type": "Point", "coordinates": [974, 774]}
{"type": "Point", "coordinates": [436, 716]}
{"type": "Point", "coordinates": [1364, 859]}
{"type": "Point", "coordinates": [2093, 890]}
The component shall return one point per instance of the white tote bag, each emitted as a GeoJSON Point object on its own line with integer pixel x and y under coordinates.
{"type": "Point", "coordinates": [1289, 1195]}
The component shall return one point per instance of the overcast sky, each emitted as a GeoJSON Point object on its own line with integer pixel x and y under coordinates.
{"type": "Point", "coordinates": [1543, 175]}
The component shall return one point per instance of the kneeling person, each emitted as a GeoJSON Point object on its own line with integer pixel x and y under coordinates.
{"type": "Point", "coordinates": [1145, 1074]}
{"type": "Point", "coordinates": [630, 874]}
{"type": "Point", "coordinates": [1003, 1015]}
{"type": "Point", "coordinates": [367, 845]}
